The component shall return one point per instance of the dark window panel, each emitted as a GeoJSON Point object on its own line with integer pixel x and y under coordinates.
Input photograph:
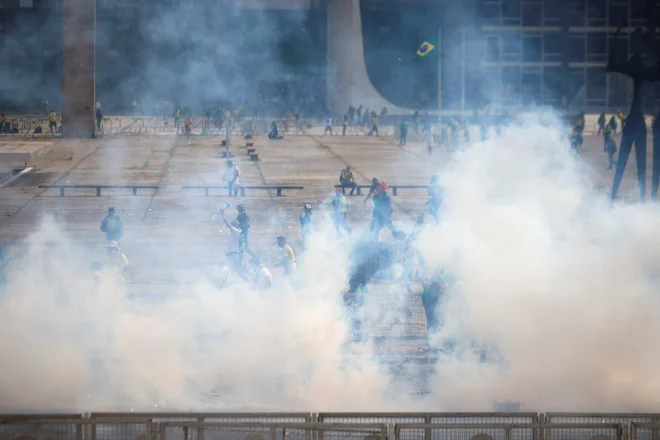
{"type": "Point", "coordinates": [511, 76]}
{"type": "Point", "coordinates": [510, 8]}
{"type": "Point", "coordinates": [575, 11]}
{"type": "Point", "coordinates": [552, 9]}
{"type": "Point", "coordinates": [531, 87]}
{"type": "Point", "coordinates": [490, 14]}
{"type": "Point", "coordinates": [596, 43]}
{"type": "Point", "coordinates": [638, 9]}
{"type": "Point", "coordinates": [619, 47]}
{"type": "Point", "coordinates": [597, 9]}
{"type": "Point", "coordinates": [553, 42]}
{"type": "Point", "coordinates": [596, 83]}
{"type": "Point", "coordinates": [532, 14]}
{"type": "Point", "coordinates": [532, 49]}
{"type": "Point", "coordinates": [618, 16]}
{"type": "Point", "coordinates": [576, 53]}
{"type": "Point", "coordinates": [493, 48]}
{"type": "Point", "coordinates": [511, 43]}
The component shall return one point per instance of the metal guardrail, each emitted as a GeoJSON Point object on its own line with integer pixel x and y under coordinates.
{"type": "Point", "coordinates": [98, 188]}
{"type": "Point", "coordinates": [324, 426]}
{"type": "Point", "coordinates": [395, 188]}
{"type": "Point", "coordinates": [477, 431]}
{"type": "Point", "coordinates": [621, 418]}
{"type": "Point", "coordinates": [270, 431]}
{"type": "Point", "coordinates": [644, 431]}
{"type": "Point", "coordinates": [242, 189]}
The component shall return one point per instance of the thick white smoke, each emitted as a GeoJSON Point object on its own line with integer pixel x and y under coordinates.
{"type": "Point", "coordinates": [559, 284]}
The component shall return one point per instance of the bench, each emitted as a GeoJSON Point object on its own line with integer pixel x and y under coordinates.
{"type": "Point", "coordinates": [243, 188]}
{"type": "Point", "coordinates": [98, 188]}
{"type": "Point", "coordinates": [254, 157]}
{"type": "Point", "coordinates": [249, 144]}
{"type": "Point", "coordinates": [395, 188]}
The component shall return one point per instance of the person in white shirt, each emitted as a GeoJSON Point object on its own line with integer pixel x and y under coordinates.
{"type": "Point", "coordinates": [328, 126]}
{"type": "Point", "coordinates": [234, 251]}
{"type": "Point", "coordinates": [232, 176]}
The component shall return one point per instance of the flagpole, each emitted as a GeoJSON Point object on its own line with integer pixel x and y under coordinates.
{"type": "Point", "coordinates": [440, 54]}
{"type": "Point", "coordinates": [463, 75]}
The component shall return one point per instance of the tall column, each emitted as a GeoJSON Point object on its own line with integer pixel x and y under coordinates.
{"type": "Point", "coordinates": [78, 74]}
{"type": "Point", "coordinates": [348, 80]}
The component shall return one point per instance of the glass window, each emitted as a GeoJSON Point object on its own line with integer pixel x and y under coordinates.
{"type": "Point", "coordinates": [532, 49]}
{"type": "Point", "coordinates": [493, 48]}
{"type": "Point", "coordinates": [619, 47]}
{"type": "Point", "coordinates": [553, 42]}
{"type": "Point", "coordinates": [576, 52]}
{"type": "Point", "coordinates": [596, 83]}
{"type": "Point", "coordinates": [510, 8]}
{"type": "Point", "coordinates": [532, 14]}
{"type": "Point", "coordinates": [597, 9]}
{"type": "Point", "coordinates": [596, 43]}
{"type": "Point", "coordinates": [531, 87]}
{"type": "Point", "coordinates": [575, 12]}
{"type": "Point", "coordinates": [618, 16]}
{"type": "Point", "coordinates": [511, 43]}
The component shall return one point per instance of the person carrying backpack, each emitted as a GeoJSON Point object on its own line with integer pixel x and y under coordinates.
{"type": "Point", "coordinates": [112, 226]}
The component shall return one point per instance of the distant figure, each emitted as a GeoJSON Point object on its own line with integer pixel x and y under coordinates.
{"type": "Point", "coordinates": [344, 124]}
{"type": "Point", "coordinates": [188, 124]}
{"type": "Point", "coordinates": [232, 176]}
{"type": "Point", "coordinates": [52, 122]}
{"type": "Point", "coordinates": [609, 146]}
{"type": "Point", "coordinates": [340, 207]}
{"type": "Point", "coordinates": [274, 132]}
{"type": "Point", "coordinates": [403, 132]}
{"type": "Point", "coordinates": [134, 108]}
{"type": "Point", "coordinates": [601, 123]}
{"type": "Point", "coordinates": [328, 126]}
{"type": "Point", "coordinates": [374, 125]}
{"type": "Point", "coordinates": [613, 124]}
{"type": "Point", "coordinates": [428, 136]}
{"type": "Point", "coordinates": [346, 180]}
{"type": "Point", "coordinates": [99, 118]}
{"type": "Point", "coordinates": [288, 261]}
{"type": "Point", "coordinates": [243, 222]}
{"type": "Point", "coordinates": [382, 213]}
{"type": "Point", "coordinates": [305, 218]}
{"type": "Point", "coordinates": [112, 226]}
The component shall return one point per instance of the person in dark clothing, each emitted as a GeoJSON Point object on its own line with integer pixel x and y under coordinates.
{"type": "Point", "coordinates": [382, 213]}
{"type": "Point", "coordinates": [432, 294]}
{"type": "Point", "coordinates": [99, 118]}
{"type": "Point", "coordinates": [274, 132]}
{"type": "Point", "coordinates": [305, 218]}
{"type": "Point", "coordinates": [344, 124]}
{"type": "Point", "coordinates": [347, 180]}
{"type": "Point", "coordinates": [609, 146]}
{"type": "Point", "coordinates": [601, 124]}
{"type": "Point", "coordinates": [244, 223]}
{"type": "Point", "coordinates": [403, 132]}
{"type": "Point", "coordinates": [112, 226]}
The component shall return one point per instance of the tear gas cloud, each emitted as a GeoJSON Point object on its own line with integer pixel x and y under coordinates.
{"type": "Point", "coordinates": [556, 282]}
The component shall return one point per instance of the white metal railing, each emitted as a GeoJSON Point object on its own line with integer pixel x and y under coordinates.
{"type": "Point", "coordinates": [330, 426]}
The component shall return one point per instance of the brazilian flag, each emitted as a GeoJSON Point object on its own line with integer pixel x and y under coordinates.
{"type": "Point", "coordinates": [428, 49]}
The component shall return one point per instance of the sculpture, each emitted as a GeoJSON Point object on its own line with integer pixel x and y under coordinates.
{"type": "Point", "coordinates": [641, 67]}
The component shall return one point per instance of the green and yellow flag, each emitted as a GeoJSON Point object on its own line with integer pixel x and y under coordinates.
{"type": "Point", "coordinates": [428, 48]}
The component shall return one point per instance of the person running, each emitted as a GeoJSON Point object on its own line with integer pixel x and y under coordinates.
{"type": "Point", "coordinates": [340, 208]}
{"type": "Point", "coordinates": [382, 213]}
{"type": "Point", "coordinates": [112, 226]}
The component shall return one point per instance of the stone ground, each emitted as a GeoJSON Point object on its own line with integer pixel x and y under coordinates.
{"type": "Point", "coordinates": [169, 237]}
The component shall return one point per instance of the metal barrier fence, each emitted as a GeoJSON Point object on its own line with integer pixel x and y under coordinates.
{"type": "Point", "coordinates": [644, 431]}
{"type": "Point", "coordinates": [476, 431]}
{"type": "Point", "coordinates": [328, 426]}
{"type": "Point", "coordinates": [252, 431]}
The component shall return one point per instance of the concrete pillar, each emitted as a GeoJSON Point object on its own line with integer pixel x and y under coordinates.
{"type": "Point", "coordinates": [348, 80]}
{"type": "Point", "coordinates": [78, 74]}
